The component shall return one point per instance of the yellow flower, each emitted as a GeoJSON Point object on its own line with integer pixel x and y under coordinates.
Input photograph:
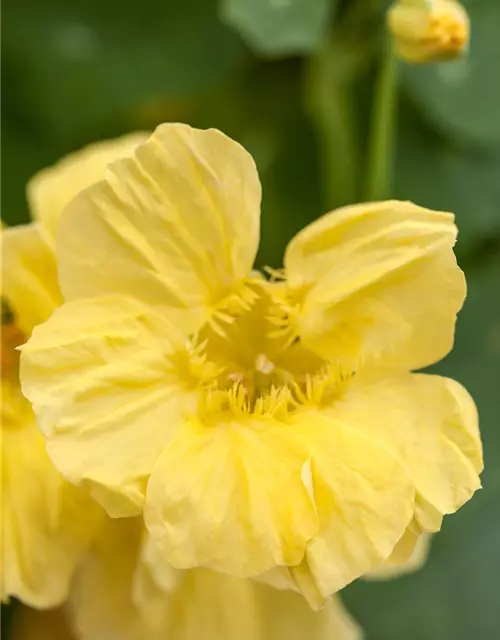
{"type": "Point", "coordinates": [429, 30]}
{"type": "Point", "coordinates": [46, 522]}
{"type": "Point", "coordinates": [118, 595]}
{"type": "Point", "coordinates": [262, 427]}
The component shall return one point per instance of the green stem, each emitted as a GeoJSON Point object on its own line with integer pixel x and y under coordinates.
{"type": "Point", "coordinates": [327, 100]}
{"type": "Point", "coordinates": [378, 184]}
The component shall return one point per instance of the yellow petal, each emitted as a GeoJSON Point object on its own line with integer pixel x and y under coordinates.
{"type": "Point", "coordinates": [431, 424]}
{"type": "Point", "coordinates": [153, 562]}
{"type": "Point", "coordinates": [14, 407]}
{"type": "Point", "coordinates": [328, 618]}
{"type": "Point", "coordinates": [197, 604]}
{"type": "Point", "coordinates": [376, 281]}
{"type": "Point", "coordinates": [393, 568]}
{"type": "Point", "coordinates": [242, 496]}
{"type": "Point", "coordinates": [100, 603]}
{"type": "Point", "coordinates": [406, 547]}
{"type": "Point", "coordinates": [154, 583]}
{"type": "Point", "coordinates": [214, 606]}
{"type": "Point", "coordinates": [202, 604]}
{"type": "Point", "coordinates": [364, 498]}
{"type": "Point", "coordinates": [29, 276]}
{"type": "Point", "coordinates": [96, 374]}
{"type": "Point", "coordinates": [50, 190]}
{"type": "Point", "coordinates": [47, 524]}
{"type": "Point", "coordinates": [30, 624]}
{"type": "Point", "coordinates": [287, 616]}
{"type": "Point", "coordinates": [231, 496]}
{"type": "Point", "coordinates": [176, 226]}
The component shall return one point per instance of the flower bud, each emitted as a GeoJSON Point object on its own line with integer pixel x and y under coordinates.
{"type": "Point", "coordinates": [429, 30]}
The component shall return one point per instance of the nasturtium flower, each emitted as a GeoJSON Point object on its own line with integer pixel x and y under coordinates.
{"type": "Point", "coordinates": [265, 427]}
{"type": "Point", "coordinates": [46, 522]}
{"type": "Point", "coordinates": [429, 30]}
{"type": "Point", "coordinates": [118, 594]}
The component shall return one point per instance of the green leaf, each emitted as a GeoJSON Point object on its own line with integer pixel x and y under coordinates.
{"type": "Point", "coordinates": [23, 157]}
{"type": "Point", "coordinates": [79, 65]}
{"type": "Point", "coordinates": [456, 594]}
{"type": "Point", "coordinates": [291, 194]}
{"type": "Point", "coordinates": [463, 97]}
{"type": "Point", "coordinates": [279, 27]}
{"type": "Point", "coordinates": [437, 174]}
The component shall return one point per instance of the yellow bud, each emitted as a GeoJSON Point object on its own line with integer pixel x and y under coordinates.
{"type": "Point", "coordinates": [429, 30]}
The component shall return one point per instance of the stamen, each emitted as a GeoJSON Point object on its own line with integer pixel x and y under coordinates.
{"type": "Point", "coordinates": [227, 311]}
{"type": "Point", "coordinates": [275, 275]}
{"type": "Point", "coordinates": [233, 386]}
{"type": "Point", "coordinates": [191, 367]}
{"type": "Point", "coordinates": [281, 316]}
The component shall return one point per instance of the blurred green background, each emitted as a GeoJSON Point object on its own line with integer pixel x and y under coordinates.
{"type": "Point", "coordinates": [293, 81]}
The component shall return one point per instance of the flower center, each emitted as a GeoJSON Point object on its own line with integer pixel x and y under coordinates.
{"type": "Point", "coordinates": [245, 366]}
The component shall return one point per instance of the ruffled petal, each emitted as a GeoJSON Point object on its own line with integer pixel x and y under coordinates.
{"type": "Point", "coordinates": [364, 498]}
{"type": "Point", "coordinates": [47, 524]}
{"type": "Point", "coordinates": [214, 606]}
{"type": "Point", "coordinates": [176, 226]}
{"type": "Point", "coordinates": [431, 424]}
{"type": "Point", "coordinates": [245, 496]}
{"type": "Point", "coordinates": [29, 275]}
{"type": "Point", "coordinates": [414, 548]}
{"type": "Point", "coordinates": [232, 496]}
{"type": "Point", "coordinates": [406, 547]}
{"type": "Point", "coordinates": [106, 604]}
{"type": "Point", "coordinates": [287, 616]}
{"type": "Point", "coordinates": [50, 190]}
{"type": "Point", "coordinates": [100, 603]}
{"type": "Point", "coordinates": [97, 374]}
{"type": "Point", "coordinates": [376, 282]}
{"type": "Point", "coordinates": [195, 604]}
{"type": "Point", "coordinates": [154, 583]}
